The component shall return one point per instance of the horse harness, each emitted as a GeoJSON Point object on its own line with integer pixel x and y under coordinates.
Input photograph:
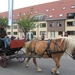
{"type": "Point", "coordinates": [47, 50]}
{"type": "Point", "coordinates": [56, 46]}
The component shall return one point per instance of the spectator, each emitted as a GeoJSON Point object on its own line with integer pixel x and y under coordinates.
{"type": "Point", "coordinates": [27, 36]}
{"type": "Point", "coordinates": [65, 34]}
{"type": "Point", "coordinates": [42, 37]}
{"type": "Point", "coordinates": [4, 37]}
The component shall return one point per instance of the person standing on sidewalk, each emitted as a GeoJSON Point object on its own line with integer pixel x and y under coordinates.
{"type": "Point", "coordinates": [42, 37]}
{"type": "Point", "coordinates": [65, 34]}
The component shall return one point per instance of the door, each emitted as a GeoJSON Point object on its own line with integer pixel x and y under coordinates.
{"type": "Point", "coordinates": [52, 34]}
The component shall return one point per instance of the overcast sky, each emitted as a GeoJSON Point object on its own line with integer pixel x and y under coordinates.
{"type": "Point", "coordinates": [21, 3]}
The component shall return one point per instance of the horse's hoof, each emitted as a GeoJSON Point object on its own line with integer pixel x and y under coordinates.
{"type": "Point", "coordinates": [56, 73]}
{"type": "Point", "coordinates": [39, 70]}
{"type": "Point", "coordinates": [26, 66]}
{"type": "Point", "coordinates": [52, 72]}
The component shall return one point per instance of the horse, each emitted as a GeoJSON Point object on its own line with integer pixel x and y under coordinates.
{"type": "Point", "coordinates": [53, 48]}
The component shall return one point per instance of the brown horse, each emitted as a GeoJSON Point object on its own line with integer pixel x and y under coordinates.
{"type": "Point", "coordinates": [54, 49]}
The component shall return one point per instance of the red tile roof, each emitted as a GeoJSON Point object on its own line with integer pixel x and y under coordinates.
{"type": "Point", "coordinates": [41, 9]}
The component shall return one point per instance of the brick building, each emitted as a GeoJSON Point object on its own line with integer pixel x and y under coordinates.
{"type": "Point", "coordinates": [54, 18]}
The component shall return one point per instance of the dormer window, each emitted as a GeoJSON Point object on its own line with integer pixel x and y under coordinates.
{"type": "Point", "coordinates": [71, 15]}
{"type": "Point", "coordinates": [47, 10]}
{"type": "Point", "coordinates": [61, 15]}
{"type": "Point", "coordinates": [35, 12]}
{"type": "Point", "coordinates": [64, 7]}
{"type": "Point", "coordinates": [24, 14]}
{"type": "Point", "coordinates": [18, 14]}
{"type": "Point", "coordinates": [73, 6]}
{"type": "Point", "coordinates": [53, 9]}
{"type": "Point", "coordinates": [50, 16]}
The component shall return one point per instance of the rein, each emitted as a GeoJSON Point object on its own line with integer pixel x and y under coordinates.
{"type": "Point", "coordinates": [69, 54]}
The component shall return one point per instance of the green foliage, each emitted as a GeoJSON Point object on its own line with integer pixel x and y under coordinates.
{"type": "Point", "coordinates": [3, 21]}
{"type": "Point", "coordinates": [26, 22]}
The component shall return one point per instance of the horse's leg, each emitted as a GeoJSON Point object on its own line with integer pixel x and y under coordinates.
{"type": "Point", "coordinates": [38, 69]}
{"type": "Point", "coordinates": [55, 70]}
{"type": "Point", "coordinates": [27, 61]}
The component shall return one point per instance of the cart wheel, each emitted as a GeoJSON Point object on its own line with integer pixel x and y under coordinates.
{"type": "Point", "coordinates": [21, 56]}
{"type": "Point", "coordinates": [3, 63]}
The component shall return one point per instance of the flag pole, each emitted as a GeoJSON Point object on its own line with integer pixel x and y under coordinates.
{"type": "Point", "coordinates": [10, 15]}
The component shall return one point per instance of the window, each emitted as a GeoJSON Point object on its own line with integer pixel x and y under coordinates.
{"type": "Point", "coordinates": [36, 18]}
{"type": "Point", "coordinates": [47, 10]}
{"type": "Point", "coordinates": [50, 16]}
{"type": "Point", "coordinates": [14, 21]}
{"type": "Point", "coordinates": [70, 23]}
{"type": "Point", "coordinates": [59, 24]}
{"type": "Point", "coordinates": [40, 17]}
{"type": "Point", "coordinates": [73, 6]}
{"type": "Point", "coordinates": [61, 15]}
{"type": "Point", "coordinates": [70, 15]}
{"type": "Point", "coordinates": [73, 23]}
{"type": "Point", "coordinates": [34, 32]}
{"type": "Point", "coordinates": [71, 32]}
{"type": "Point", "coordinates": [42, 32]}
{"type": "Point", "coordinates": [15, 33]}
{"type": "Point", "coordinates": [53, 9]}
{"type": "Point", "coordinates": [42, 25]}
{"type": "Point", "coordinates": [8, 33]}
{"type": "Point", "coordinates": [60, 33]}
{"type": "Point", "coordinates": [15, 26]}
{"type": "Point", "coordinates": [18, 14]}
{"type": "Point", "coordinates": [64, 8]}
{"type": "Point", "coordinates": [51, 24]}
{"type": "Point", "coordinates": [35, 12]}
{"type": "Point", "coordinates": [8, 27]}
{"type": "Point", "coordinates": [24, 13]}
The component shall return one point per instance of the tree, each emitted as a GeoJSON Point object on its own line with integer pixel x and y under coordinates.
{"type": "Point", "coordinates": [3, 21]}
{"type": "Point", "coordinates": [26, 22]}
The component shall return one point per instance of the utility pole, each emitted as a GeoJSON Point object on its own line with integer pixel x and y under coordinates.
{"type": "Point", "coordinates": [10, 15]}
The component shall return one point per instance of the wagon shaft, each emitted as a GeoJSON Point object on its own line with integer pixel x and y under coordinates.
{"type": "Point", "coordinates": [20, 55]}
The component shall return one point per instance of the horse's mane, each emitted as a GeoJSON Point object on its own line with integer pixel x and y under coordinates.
{"type": "Point", "coordinates": [69, 43]}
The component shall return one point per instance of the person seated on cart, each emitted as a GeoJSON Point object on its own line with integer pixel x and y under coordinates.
{"type": "Point", "coordinates": [4, 37]}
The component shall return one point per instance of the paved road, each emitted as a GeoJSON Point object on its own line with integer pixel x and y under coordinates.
{"type": "Point", "coordinates": [16, 68]}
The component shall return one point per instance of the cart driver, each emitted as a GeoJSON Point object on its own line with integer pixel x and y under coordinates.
{"type": "Point", "coordinates": [4, 37]}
